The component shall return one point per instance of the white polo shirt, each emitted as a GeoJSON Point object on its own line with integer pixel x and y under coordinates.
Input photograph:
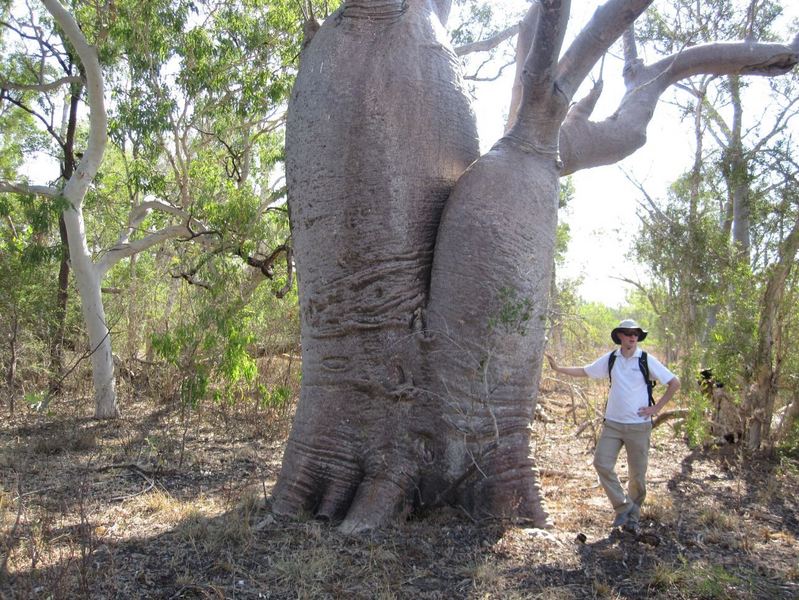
{"type": "Point", "coordinates": [628, 388]}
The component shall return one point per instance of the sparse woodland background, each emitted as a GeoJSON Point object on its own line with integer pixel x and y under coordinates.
{"type": "Point", "coordinates": [187, 233]}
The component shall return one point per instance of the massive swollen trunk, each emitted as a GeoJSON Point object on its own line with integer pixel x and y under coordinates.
{"type": "Point", "coordinates": [403, 404]}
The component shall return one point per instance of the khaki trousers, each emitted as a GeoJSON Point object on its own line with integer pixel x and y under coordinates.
{"type": "Point", "coordinates": [635, 439]}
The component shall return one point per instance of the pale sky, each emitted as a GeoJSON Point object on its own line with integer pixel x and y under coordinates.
{"type": "Point", "coordinates": [603, 214]}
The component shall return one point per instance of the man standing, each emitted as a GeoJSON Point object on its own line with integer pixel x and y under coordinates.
{"type": "Point", "coordinates": [628, 416]}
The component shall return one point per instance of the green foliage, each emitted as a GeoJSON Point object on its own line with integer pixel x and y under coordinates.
{"type": "Point", "coordinates": [213, 349]}
{"type": "Point", "coordinates": [197, 94]}
{"type": "Point", "coordinates": [698, 579]}
{"type": "Point", "coordinates": [696, 425]}
{"type": "Point", "coordinates": [513, 314]}
{"type": "Point", "coordinates": [274, 398]}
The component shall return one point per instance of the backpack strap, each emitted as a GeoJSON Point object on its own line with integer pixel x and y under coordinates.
{"type": "Point", "coordinates": [611, 361]}
{"type": "Point", "coordinates": [643, 365]}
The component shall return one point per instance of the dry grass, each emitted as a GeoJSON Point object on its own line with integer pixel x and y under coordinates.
{"type": "Point", "coordinates": [161, 505]}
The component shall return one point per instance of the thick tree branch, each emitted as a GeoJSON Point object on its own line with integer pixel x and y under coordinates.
{"type": "Point", "coordinates": [39, 87]}
{"type": "Point", "coordinates": [608, 23]}
{"type": "Point", "coordinates": [543, 55]}
{"type": "Point", "coordinates": [542, 103]}
{"type": "Point", "coordinates": [585, 144]}
{"type": "Point", "coordinates": [488, 43]}
{"type": "Point", "coordinates": [523, 43]}
{"type": "Point", "coordinates": [24, 188]}
{"type": "Point", "coordinates": [442, 10]}
{"type": "Point", "coordinates": [127, 249]}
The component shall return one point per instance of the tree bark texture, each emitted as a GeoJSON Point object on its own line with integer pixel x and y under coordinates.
{"type": "Point", "coordinates": [395, 412]}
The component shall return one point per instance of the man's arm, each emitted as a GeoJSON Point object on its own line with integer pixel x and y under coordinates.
{"type": "Point", "coordinates": [571, 371]}
{"type": "Point", "coordinates": [671, 389]}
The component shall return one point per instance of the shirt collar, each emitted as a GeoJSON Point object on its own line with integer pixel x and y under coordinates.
{"type": "Point", "coordinates": [636, 354]}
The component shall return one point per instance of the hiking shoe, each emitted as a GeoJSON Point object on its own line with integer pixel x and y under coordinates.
{"type": "Point", "coordinates": [632, 527]}
{"type": "Point", "coordinates": [622, 518]}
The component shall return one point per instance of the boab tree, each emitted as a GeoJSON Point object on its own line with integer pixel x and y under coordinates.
{"type": "Point", "coordinates": [424, 268]}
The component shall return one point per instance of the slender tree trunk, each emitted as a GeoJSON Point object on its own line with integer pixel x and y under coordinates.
{"type": "Point", "coordinates": [62, 294]}
{"type": "Point", "coordinates": [738, 177]}
{"type": "Point", "coordinates": [88, 277]}
{"type": "Point", "coordinates": [60, 318]}
{"type": "Point", "coordinates": [89, 281]}
{"type": "Point", "coordinates": [11, 372]}
{"type": "Point", "coordinates": [763, 391]}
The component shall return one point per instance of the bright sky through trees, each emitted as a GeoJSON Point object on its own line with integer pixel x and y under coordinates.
{"type": "Point", "coordinates": [602, 216]}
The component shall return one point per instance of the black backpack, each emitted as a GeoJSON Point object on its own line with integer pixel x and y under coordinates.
{"type": "Point", "coordinates": [643, 365]}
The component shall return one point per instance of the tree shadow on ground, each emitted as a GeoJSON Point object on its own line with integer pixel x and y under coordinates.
{"type": "Point", "coordinates": [205, 530]}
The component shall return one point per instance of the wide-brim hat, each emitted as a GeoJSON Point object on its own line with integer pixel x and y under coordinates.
{"type": "Point", "coordinates": [628, 324]}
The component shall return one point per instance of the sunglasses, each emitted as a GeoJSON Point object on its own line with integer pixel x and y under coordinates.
{"type": "Point", "coordinates": [630, 332]}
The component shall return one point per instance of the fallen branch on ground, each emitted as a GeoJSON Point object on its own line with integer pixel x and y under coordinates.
{"type": "Point", "coordinates": [679, 413]}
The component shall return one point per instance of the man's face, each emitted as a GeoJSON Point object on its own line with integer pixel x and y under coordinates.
{"type": "Point", "coordinates": [629, 338]}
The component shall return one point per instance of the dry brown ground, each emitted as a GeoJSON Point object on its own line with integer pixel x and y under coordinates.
{"type": "Point", "coordinates": [158, 506]}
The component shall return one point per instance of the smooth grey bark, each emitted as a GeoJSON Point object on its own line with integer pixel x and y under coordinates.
{"type": "Point", "coordinates": [423, 283]}
{"type": "Point", "coordinates": [379, 129]}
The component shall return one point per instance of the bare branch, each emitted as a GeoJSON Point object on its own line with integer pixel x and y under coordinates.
{"type": "Point", "coordinates": [608, 23]}
{"type": "Point", "coordinates": [644, 290]}
{"type": "Point", "coordinates": [24, 188]}
{"type": "Point", "coordinates": [488, 43]}
{"type": "Point", "coordinates": [39, 87]}
{"type": "Point", "coordinates": [585, 144]}
{"type": "Point", "coordinates": [648, 198]}
{"type": "Point", "coordinates": [494, 78]}
{"type": "Point", "coordinates": [127, 249]}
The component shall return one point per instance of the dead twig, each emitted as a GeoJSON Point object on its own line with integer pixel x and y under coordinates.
{"type": "Point", "coordinates": [136, 469]}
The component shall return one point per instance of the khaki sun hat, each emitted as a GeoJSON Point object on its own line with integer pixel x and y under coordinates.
{"type": "Point", "coordinates": [628, 324]}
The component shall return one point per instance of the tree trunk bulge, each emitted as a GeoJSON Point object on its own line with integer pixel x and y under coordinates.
{"type": "Point", "coordinates": [418, 387]}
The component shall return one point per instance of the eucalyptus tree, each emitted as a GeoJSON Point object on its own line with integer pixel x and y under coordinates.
{"type": "Point", "coordinates": [199, 129]}
{"type": "Point", "coordinates": [424, 268]}
{"type": "Point", "coordinates": [41, 79]}
{"type": "Point", "coordinates": [196, 93]}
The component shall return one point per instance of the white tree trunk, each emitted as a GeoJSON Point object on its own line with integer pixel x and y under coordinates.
{"type": "Point", "coordinates": [87, 275]}
{"type": "Point", "coordinates": [89, 280]}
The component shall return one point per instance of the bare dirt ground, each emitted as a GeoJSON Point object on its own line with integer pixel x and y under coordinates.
{"type": "Point", "coordinates": [167, 504]}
